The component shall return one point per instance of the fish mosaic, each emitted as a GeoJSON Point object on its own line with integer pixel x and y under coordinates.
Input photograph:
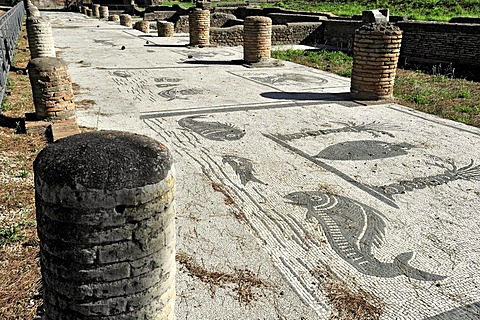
{"type": "Point", "coordinates": [243, 167]}
{"type": "Point", "coordinates": [469, 172]}
{"type": "Point", "coordinates": [212, 130]}
{"type": "Point", "coordinates": [352, 230]}
{"type": "Point", "coordinates": [175, 93]}
{"type": "Point", "coordinates": [374, 128]}
{"type": "Point", "coordinates": [364, 150]}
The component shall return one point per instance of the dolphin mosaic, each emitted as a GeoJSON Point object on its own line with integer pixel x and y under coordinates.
{"type": "Point", "coordinates": [243, 167]}
{"type": "Point", "coordinates": [352, 229]}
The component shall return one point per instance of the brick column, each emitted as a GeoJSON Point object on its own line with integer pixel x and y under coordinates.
{"type": "Point", "coordinates": [142, 25]}
{"type": "Point", "coordinates": [165, 29]}
{"type": "Point", "coordinates": [375, 57]}
{"type": "Point", "coordinates": [51, 88]}
{"type": "Point", "coordinates": [199, 27]}
{"type": "Point", "coordinates": [40, 38]}
{"type": "Point", "coordinates": [96, 10]}
{"type": "Point", "coordinates": [257, 39]}
{"type": "Point", "coordinates": [126, 20]}
{"type": "Point", "coordinates": [106, 223]}
{"type": "Point", "coordinates": [103, 12]}
{"type": "Point", "coordinates": [114, 17]}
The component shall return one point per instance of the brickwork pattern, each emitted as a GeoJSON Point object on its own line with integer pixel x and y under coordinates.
{"type": "Point", "coordinates": [51, 88]}
{"type": "Point", "coordinates": [165, 29]}
{"type": "Point", "coordinates": [96, 10]}
{"type": "Point", "coordinates": [441, 42]}
{"type": "Point", "coordinates": [40, 37]}
{"type": "Point", "coordinates": [199, 27]}
{"type": "Point", "coordinates": [375, 59]}
{"type": "Point", "coordinates": [106, 253]}
{"type": "Point", "coordinates": [126, 20]}
{"type": "Point", "coordinates": [103, 12]}
{"type": "Point", "coordinates": [142, 25]}
{"type": "Point", "coordinates": [293, 33]}
{"type": "Point", "coordinates": [114, 17]}
{"type": "Point", "coordinates": [257, 39]}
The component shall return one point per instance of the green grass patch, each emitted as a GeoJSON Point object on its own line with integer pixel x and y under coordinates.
{"type": "Point", "coordinates": [10, 234]}
{"type": "Point", "coordinates": [333, 61]}
{"type": "Point", "coordinates": [456, 99]}
{"type": "Point", "coordinates": [436, 10]}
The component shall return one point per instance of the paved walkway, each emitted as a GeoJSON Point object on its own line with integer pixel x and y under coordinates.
{"type": "Point", "coordinates": [306, 202]}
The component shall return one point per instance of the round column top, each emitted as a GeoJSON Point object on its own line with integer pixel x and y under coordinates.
{"type": "Point", "coordinates": [103, 160]}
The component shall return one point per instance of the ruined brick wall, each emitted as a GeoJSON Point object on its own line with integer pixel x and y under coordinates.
{"type": "Point", "coordinates": [284, 18]}
{"type": "Point", "coordinates": [441, 42]}
{"type": "Point", "coordinates": [340, 33]}
{"type": "Point", "coordinates": [307, 33]}
{"type": "Point", "coordinates": [231, 36]}
{"type": "Point", "coordinates": [292, 33]}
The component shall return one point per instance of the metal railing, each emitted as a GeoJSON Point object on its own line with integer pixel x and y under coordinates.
{"type": "Point", "coordinates": [10, 26]}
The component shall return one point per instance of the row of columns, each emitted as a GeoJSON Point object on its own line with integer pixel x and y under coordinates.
{"type": "Point", "coordinates": [104, 207]}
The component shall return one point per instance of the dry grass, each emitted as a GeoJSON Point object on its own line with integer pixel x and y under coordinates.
{"type": "Point", "coordinates": [348, 301]}
{"type": "Point", "coordinates": [19, 266]}
{"type": "Point", "coordinates": [245, 280]}
{"type": "Point", "coordinates": [220, 188]}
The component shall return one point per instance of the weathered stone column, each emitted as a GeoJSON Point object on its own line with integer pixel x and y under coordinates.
{"type": "Point", "coordinates": [165, 29]}
{"type": "Point", "coordinates": [114, 17]}
{"type": "Point", "coordinates": [40, 38]}
{"type": "Point", "coordinates": [84, 10]}
{"type": "Point", "coordinates": [32, 11]}
{"type": "Point", "coordinates": [103, 12]}
{"type": "Point", "coordinates": [89, 12]}
{"type": "Point", "coordinates": [96, 10]}
{"type": "Point", "coordinates": [199, 27]}
{"type": "Point", "coordinates": [375, 57]}
{"type": "Point", "coordinates": [51, 88]}
{"type": "Point", "coordinates": [257, 39]}
{"type": "Point", "coordinates": [126, 20]}
{"type": "Point", "coordinates": [106, 223]}
{"type": "Point", "coordinates": [142, 25]}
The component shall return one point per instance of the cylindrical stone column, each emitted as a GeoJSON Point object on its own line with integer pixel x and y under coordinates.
{"type": "Point", "coordinates": [89, 12]}
{"type": "Point", "coordinates": [199, 27]}
{"type": "Point", "coordinates": [84, 10]}
{"type": "Point", "coordinates": [165, 29]}
{"type": "Point", "coordinates": [375, 56]}
{"type": "Point", "coordinates": [51, 88]}
{"type": "Point", "coordinates": [114, 17]}
{"type": "Point", "coordinates": [106, 223]}
{"type": "Point", "coordinates": [40, 38]}
{"type": "Point", "coordinates": [126, 20]}
{"type": "Point", "coordinates": [143, 25]}
{"type": "Point", "coordinates": [103, 11]}
{"type": "Point", "coordinates": [257, 39]}
{"type": "Point", "coordinates": [32, 11]}
{"type": "Point", "coordinates": [96, 10]}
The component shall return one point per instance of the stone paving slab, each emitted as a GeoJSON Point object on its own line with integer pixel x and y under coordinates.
{"type": "Point", "coordinates": [281, 176]}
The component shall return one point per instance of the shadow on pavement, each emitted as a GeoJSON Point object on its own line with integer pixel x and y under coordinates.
{"type": "Point", "coordinates": [344, 96]}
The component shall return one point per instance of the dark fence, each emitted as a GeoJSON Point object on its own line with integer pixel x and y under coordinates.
{"type": "Point", "coordinates": [10, 25]}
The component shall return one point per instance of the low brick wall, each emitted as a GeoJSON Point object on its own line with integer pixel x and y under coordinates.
{"type": "Point", "coordinates": [297, 33]}
{"type": "Point", "coordinates": [441, 42]}
{"type": "Point", "coordinates": [292, 33]}
{"type": "Point", "coordinates": [340, 33]}
{"type": "Point", "coordinates": [230, 37]}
